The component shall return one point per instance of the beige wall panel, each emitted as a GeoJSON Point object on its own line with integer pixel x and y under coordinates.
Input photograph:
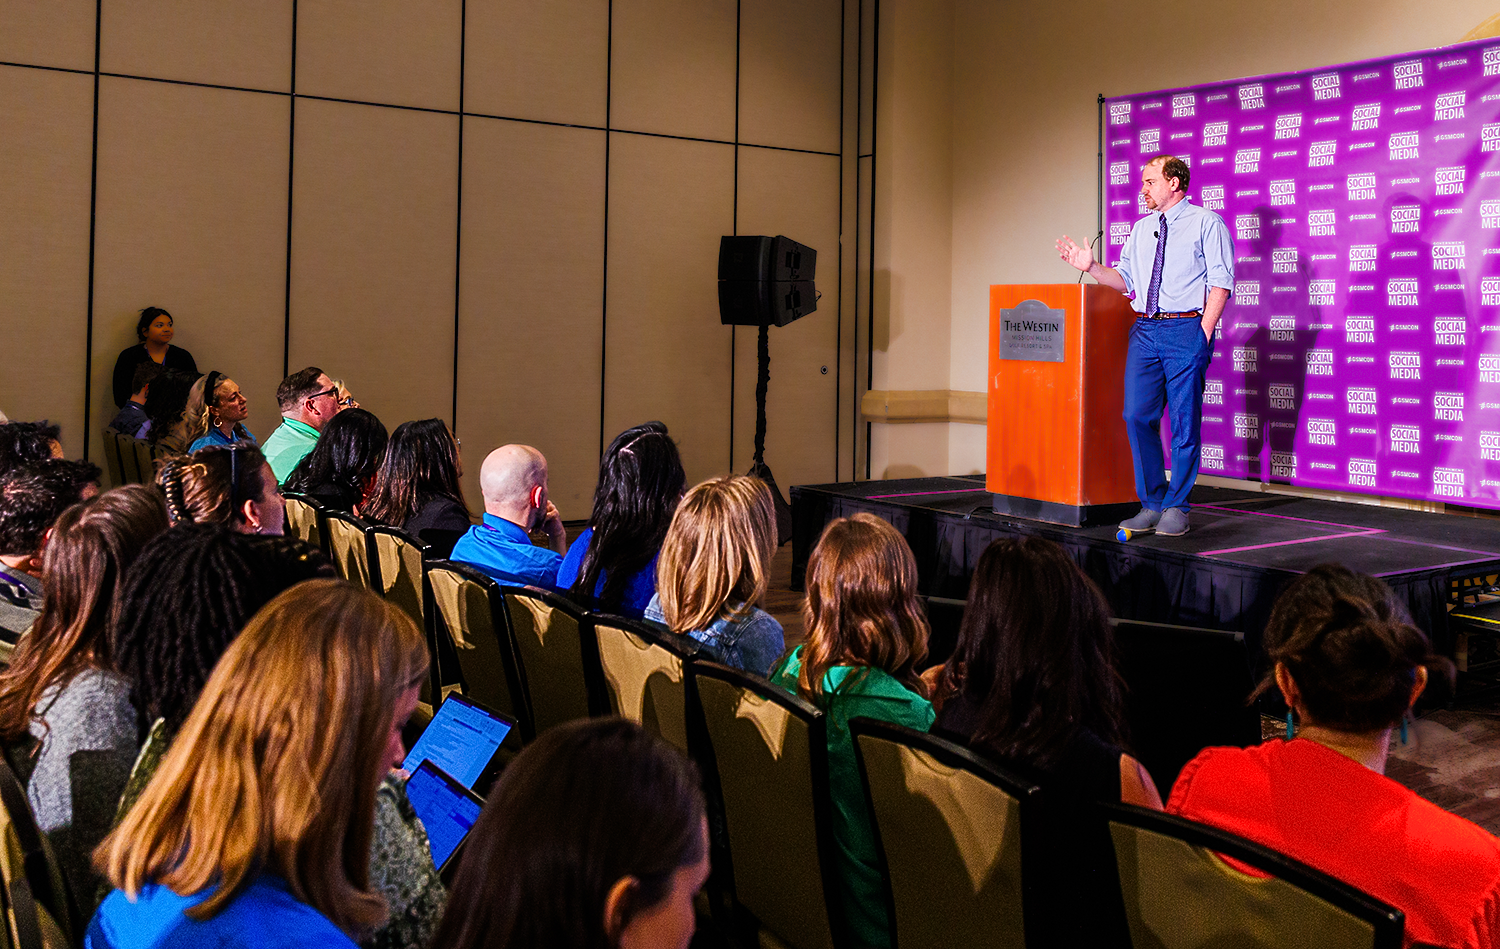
{"type": "Point", "coordinates": [673, 67]}
{"type": "Point", "coordinates": [191, 216]}
{"type": "Point", "coordinates": [397, 52]}
{"type": "Point", "coordinates": [797, 195]}
{"type": "Point", "coordinates": [374, 226]}
{"type": "Point", "coordinates": [46, 147]}
{"type": "Point", "coordinates": [789, 73]}
{"type": "Point", "coordinates": [51, 33]}
{"type": "Point", "coordinates": [546, 61]}
{"type": "Point", "coordinates": [531, 300]}
{"type": "Point", "coordinates": [668, 358]}
{"type": "Point", "coordinates": [245, 43]}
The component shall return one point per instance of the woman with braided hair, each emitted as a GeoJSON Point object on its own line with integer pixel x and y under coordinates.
{"type": "Point", "coordinates": [65, 713]}
{"type": "Point", "coordinates": [1350, 664]}
{"type": "Point", "coordinates": [186, 599]}
{"type": "Point", "coordinates": [231, 485]}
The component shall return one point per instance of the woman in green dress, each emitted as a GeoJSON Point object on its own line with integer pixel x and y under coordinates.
{"type": "Point", "coordinates": [866, 632]}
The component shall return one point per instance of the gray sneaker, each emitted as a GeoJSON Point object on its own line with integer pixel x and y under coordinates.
{"type": "Point", "coordinates": [1143, 521]}
{"type": "Point", "coordinates": [1174, 522]}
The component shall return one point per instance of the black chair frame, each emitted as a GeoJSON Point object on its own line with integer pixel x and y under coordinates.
{"type": "Point", "coordinates": [1388, 922]}
{"type": "Point", "coordinates": [725, 904]}
{"type": "Point", "coordinates": [1028, 794]}
{"type": "Point", "coordinates": [593, 682]}
{"type": "Point", "coordinates": [515, 675]}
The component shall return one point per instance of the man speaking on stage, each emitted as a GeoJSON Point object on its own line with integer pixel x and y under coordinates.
{"type": "Point", "coordinates": [1177, 267]}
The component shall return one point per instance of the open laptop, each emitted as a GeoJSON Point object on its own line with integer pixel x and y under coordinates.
{"type": "Point", "coordinates": [463, 740]}
{"type": "Point", "coordinates": [448, 810]}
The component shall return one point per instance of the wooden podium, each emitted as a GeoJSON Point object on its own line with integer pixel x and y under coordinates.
{"type": "Point", "coordinates": [1057, 448]}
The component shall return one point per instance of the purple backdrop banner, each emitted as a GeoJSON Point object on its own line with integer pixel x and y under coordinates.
{"type": "Point", "coordinates": [1361, 348]}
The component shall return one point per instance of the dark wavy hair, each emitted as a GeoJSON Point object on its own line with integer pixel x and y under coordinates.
{"type": "Point", "coordinates": [421, 463]}
{"type": "Point", "coordinates": [166, 400]}
{"type": "Point", "coordinates": [347, 455]}
{"type": "Point", "coordinates": [585, 805]}
{"type": "Point", "coordinates": [1035, 654]}
{"type": "Point", "coordinates": [25, 443]}
{"type": "Point", "coordinates": [187, 595]}
{"type": "Point", "coordinates": [1351, 648]}
{"type": "Point", "coordinates": [148, 316]}
{"type": "Point", "coordinates": [640, 482]}
{"type": "Point", "coordinates": [33, 496]}
{"type": "Point", "coordinates": [83, 570]}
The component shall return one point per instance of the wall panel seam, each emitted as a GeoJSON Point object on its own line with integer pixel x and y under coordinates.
{"type": "Point", "coordinates": [88, 344]}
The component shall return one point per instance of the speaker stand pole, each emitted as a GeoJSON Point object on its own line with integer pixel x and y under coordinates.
{"type": "Point", "coordinates": [758, 468]}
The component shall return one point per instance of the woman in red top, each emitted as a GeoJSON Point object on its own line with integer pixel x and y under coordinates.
{"type": "Point", "coordinates": [1350, 664]}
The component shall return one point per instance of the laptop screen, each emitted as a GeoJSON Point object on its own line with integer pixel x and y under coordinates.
{"type": "Point", "coordinates": [447, 808]}
{"type": "Point", "coordinates": [461, 739]}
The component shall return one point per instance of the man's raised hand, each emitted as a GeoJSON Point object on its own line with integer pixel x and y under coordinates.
{"type": "Point", "coordinates": [1078, 257]}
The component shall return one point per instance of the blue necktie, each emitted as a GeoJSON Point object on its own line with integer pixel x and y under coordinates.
{"type": "Point", "coordinates": [1154, 290]}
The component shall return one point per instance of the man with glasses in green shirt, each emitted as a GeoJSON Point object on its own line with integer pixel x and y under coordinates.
{"type": "Point", "coordinates": [308, 400]}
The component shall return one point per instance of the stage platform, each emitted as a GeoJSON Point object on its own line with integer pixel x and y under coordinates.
{"type": "Point", "coordinates": [1223, 574]}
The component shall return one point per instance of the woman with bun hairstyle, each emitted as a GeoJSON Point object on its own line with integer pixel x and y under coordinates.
{"type": "Point", "coordinates": [1350, 664]}
{"type": "Point", "coordinates": [154, 330]}
{"type": "Point", "coordinates": [593, 838]}
{"type": "Point", "coordinates": [714, 567]}
{"type": "Point", "coordinates": [231, 485]}
{"type": "Point", "coordinates": [256, 828]}
{"type": "Point", "coordinates": [866, 633]}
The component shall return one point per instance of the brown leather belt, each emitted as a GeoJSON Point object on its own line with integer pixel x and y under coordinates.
{"type": "Point", "coordinates": [1173, 316]}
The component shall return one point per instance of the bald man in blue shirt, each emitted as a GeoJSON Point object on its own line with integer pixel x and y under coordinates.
{"type": "Point", "coordinates": [1177, 267]}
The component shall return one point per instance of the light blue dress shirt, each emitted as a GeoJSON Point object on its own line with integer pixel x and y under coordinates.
{"type": "Point", "coordinates": [1200, 254]}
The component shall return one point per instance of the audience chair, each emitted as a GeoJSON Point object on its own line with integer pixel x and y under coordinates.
{"type": "Point", "coordinates": [769, 752]}
{"type": "Point", "coordinates": [1186, 690]}
{"type": "Point", "coordinates": [130, 468]}
{"type": "Point", "coordinates": [144, 460]}
{"type": "Point", "coordinates": [952, 830]}
{"type": "Point", "coordinates": [1181, 894]}
{"type": "Point", "coordinates": [304, 519]}
{"type": "Point", "coordinates": [398, 570]}
{"type": "Point", "coordinates": [112, 458]}
{"type": "Point", "coordinates": [555, 655]}
{"type": "Point", "coordinates": [469, 609]}
{"type": "Point", "coordinates": [349, 546]}
{"type": "Point", "coordinates": [43, 913]}
{"type": "Point", "coordinates": [643, 677]}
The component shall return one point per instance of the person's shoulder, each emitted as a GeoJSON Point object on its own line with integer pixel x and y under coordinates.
{"type": "Point", "coordinates": [267, 916]}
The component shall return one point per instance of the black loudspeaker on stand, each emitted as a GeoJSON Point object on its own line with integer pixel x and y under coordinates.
{"type": "Point", "coordinates": [765, 281]}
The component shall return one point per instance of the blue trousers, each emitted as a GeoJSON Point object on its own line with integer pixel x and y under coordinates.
{"type": "Point", "coordinates": [1165, 367]}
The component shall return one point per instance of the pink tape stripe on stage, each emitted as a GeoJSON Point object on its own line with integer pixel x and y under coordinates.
{"type": "Point", "coordinates": [1287, 543]}
{"type": "Point", "coordinates": [1284, 517]}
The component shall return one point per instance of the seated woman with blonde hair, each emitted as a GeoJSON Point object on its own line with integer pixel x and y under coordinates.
{"type": "Point", "coordinates": [256, 829]}
{"type": "Point", "coordinates": [1347, 659]}
{"type": "Point", "coordinates": [713, 571]}
{"type": "Point", "coordinates": [866, 633]}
